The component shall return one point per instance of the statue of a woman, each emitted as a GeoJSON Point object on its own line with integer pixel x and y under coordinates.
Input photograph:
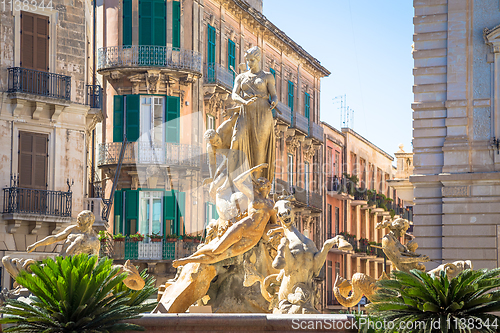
{"type": "Point", "coordinates": [253, 140]}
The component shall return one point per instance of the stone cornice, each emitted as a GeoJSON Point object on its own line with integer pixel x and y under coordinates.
{"type": "Point", "coordinates": [240, 8]}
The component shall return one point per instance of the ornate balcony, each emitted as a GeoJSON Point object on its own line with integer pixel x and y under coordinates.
{"type": "Point", "coordinates": [218, 75]}
{"type": "Point", "coordinates": [300, 122]}
{"type": "Point", "coordinates": [39, 202]}
{"type": "Point", "coordinates": [162, 153]}
{"type": "Point", "coordinates": [45, 84]}
{"type": "Point", "coordinates": [116, 57]}
{"type": "Point", "coordinates": [316, 132]}
{"type": "Point", "coordinates": [283, 113]}
{"type": "Point", "coordinates": [147, 250]}
{"type": "Point", "coordinates": [335, 187]}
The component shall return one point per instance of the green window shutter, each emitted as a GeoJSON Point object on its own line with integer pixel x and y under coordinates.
{"type": "Point", "coordinates": [215, 215]}
{"type": "Point", "coordinates": [146, 22]}
{"type": "Point", "coordinates": [131, 208]}
{"type": "Point", "coordinates": [159, 23]}
{"type": "Point", "coordinates": [181, 209]}
{"type": "Point", "coordinates": [176, 24]}
{"type": "Point", "coordinates": [307, 99]}
{"type": "Point", "coordinates": [132, 120]}
{"type": "Point", "coordinates": [172, 114]}
{"type": "Point", "coordinates": [211, 44]}
{"type": "Point", "coordinates": [117, 118]}
{"type": "Point", "coordinates": [118, 212]}
{"type": "Point", "coordinates": [231, 52]}
{"type": "Point", "coordinates": [127, 23]}
{"type": "Point", "coordinates": [290, 94]}
{"type": "Point", "coordinates": [169, 206]}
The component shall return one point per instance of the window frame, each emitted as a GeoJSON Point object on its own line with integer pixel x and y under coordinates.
{"type": "Point", "coordinates": [53, 20]}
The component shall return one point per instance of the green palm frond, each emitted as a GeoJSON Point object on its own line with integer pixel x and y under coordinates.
{"type": "Point", "coordinates": [77, 294]}
{"type": "Point", "coordinates": [418, 297]}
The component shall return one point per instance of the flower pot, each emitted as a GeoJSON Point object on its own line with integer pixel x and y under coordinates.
{"type": "Point", "coordinates": [156, 240]}
{"type": "Point", "coordinates": [188, 240]}
{"type": "Point", "coordinates": [103, 240]}
{"type": "Point", "coordinates": [119, 239]}
{"type": "Point", "coordinates": [171, 239]}
{"type": "Point", "coordinates": [137, 239]}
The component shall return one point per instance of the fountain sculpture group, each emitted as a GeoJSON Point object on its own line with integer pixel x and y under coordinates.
{"type": "Point", "coordinates": [253, 258]}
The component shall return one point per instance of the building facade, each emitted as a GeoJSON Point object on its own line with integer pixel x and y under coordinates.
{"type": "Point", "coordinates": [455, 131]}
{"type": "Point", "coordinates": [168, 69]}
{"type": "Point", "coordinates": [48, 110]}
{"type": "Point", "coordinates": [358, 196]}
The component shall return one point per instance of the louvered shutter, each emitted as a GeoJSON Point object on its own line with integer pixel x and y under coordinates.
{"type": "Point", "coordinates": [172, 113]}
{"type": "Point", "coordinates": [145, 22]}
{"type": "Point", "coordinates": [42, 43]}
{"type": "Point", "coordinates": [117, 118]}
{"type": "Point", "coordinates": [127, 23]}
{"type": "Point", "coordinates": [118, 212]}
{"type": "Point", "coordinates": [40, 161]}
{"type": "Point", "coordinates": [27, 39]}
{"type": "Point", "coordinates": [176, 24]}
{"type": "Point", "coordinates": [33, 160]}
{"type": "Point", "coordinates": [132, 119]}
{"type": "Point", "coordinates": [34, 41]}
{"type": "Point", "coordinates": [25, 159]}
{"type": "Point", "coordinates": [159, 22]}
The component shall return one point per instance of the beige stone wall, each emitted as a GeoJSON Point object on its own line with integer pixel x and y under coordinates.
{"type": "Point", "coordinates": [65, 122]}
{"type": "Point", "coordinates": [455, 177]}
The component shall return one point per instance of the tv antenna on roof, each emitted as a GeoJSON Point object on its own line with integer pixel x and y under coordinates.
{"type": "Point", "coordinates": [346, 113]}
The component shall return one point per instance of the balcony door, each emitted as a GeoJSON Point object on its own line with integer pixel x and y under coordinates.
{"type": "Point", "coordinates": [152, 136]}
{"type": "Point", "coordinates": [150, 212]}
{"type": "Point", "coordinates": [34, 53]}
{"type": "Point", "coordinates": [32, 168]}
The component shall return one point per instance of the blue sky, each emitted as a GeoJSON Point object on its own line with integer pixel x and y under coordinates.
{"type": "Point", "coordinates": [366, 45]}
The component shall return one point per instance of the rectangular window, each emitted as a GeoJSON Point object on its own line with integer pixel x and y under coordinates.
{"type": "Point", "coordinates": [152, 23]}
{"type": "Point", "coordinates": [290, 94]}
{"type": "Point", "coordinates": [337, 220]}
{"type": "Point", "coordinates": [307, 101]}
{"type": "Point", "coordinates": [34, 41]}
{"type": "Point", "coordinates": [231, 55]}
{"type": "Point", "coordinates": [176, 24]}
{"type": "Point", "coordinates": [127, 23]}
{"type": "Point", "coordinates": [329, 221]}
{"type": "Point", "coordinates": [290, 169]}
{"type": "Point", "coordinates": [329, 158]}
{"type": "Point", "coordinates": [152, 118]}
{"type": "Point", "coordinates": [150, 212]}
{"type": "Point", "coordinates": [210, 122]}
{"type": "Point", "coordinates": [337, 269]}
{"type": "Point", "coordinates": [306, 176]}
{"type": "Point", "coordinates": [273, 72]}
{"type": "Point", "coordinates": [211, 35]}
{"type": "Point", "coordinates": [329, 278]}
{"type": "Point", "coordinates": [33, 152]}
{"type": "Point", "coordinates": [337, 164]}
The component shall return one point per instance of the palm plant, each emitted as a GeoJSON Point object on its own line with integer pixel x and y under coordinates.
{"type": "Point", "coordinates": [76, 294]}
{"type": "Point", "coordinates": [429, 303]}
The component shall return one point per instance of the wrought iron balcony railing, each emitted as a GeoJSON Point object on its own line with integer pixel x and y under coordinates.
{"type": "Point", "coordinates": [40, 83]}
{"type": "Point", "coordinates": [316, 132]}
{"type": "Point", "coordinates": [300, 122]}
{"type": "Point", "coordinates": [147, 250]}
{"type": "Point", "coordinates": [149, 56]}
{"type": "Point", "coordinates": [164, 153]}
{"type": "Point", "coordinates": [93, 96]}
{"type": "Point", "coordinates": [216, 74]}
{"type": "Point", "coordinates": [40, 202]}
{"type": "Point", "coordinates": [284, 114]}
